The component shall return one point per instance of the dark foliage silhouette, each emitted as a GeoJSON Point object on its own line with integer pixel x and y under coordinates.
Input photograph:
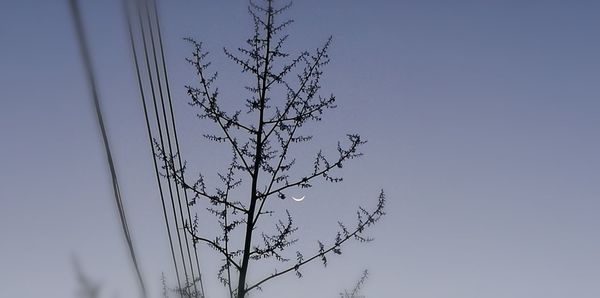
{"type": "Point", "coordinates": [283, 98]}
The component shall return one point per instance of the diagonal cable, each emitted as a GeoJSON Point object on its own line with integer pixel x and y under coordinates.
{"type": "Point", "coordinates": [85, 54]}
{"type": "Point", "coordinates": [176, 139]}
{"type": "Point", "coordinates": [150, 137]}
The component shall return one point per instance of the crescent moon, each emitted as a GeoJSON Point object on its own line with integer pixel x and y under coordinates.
{"type": "Point", "coordinates": [298, 200]}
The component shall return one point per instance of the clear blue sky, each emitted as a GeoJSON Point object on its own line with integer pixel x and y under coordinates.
{"type": "Point", "coordinates": [482, 118]}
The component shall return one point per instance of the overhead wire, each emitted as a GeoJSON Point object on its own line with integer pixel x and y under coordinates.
{"type": "Point", "coordinates": [176, 139]}
{"type": "Point", "coordinates": [150, 136]}
{"type": "Point", "coordinates": [169, 143]}
{"type": "Point", "coordinates": [160, 129]}
{"type": "Point", "coordinates": [87, 62]}
{"type": "Point", "coordinates": [116, 189]}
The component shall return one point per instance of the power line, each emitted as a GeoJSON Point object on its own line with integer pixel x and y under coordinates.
{"type": "Point", "coordinates": [161, 137]}
{"type": "Point", "coordinates": [169, 143]}
{"type": "Point", "coordinates": [75, 13]}
{"type": "Point", "coordinates": [164, 69]}
{"type": "Point", "coordinates": [150, 137]}
{"type": "Point", "coordinates": [116, 190]}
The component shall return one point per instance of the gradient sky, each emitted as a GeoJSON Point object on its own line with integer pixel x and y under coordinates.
{"type": "Point", "coordinates": [482, 119]}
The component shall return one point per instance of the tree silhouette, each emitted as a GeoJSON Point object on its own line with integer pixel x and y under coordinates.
{"type": "Point", "coordinates": [260, 136]}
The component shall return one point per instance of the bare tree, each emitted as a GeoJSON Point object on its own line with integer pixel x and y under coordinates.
{"type": "Point", "coordinates": [261, 135]}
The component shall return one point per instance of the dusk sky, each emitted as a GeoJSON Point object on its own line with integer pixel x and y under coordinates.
{"type": "Point", "coordinates": [482, 120]}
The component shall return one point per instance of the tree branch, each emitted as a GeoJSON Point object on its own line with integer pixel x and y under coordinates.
{"type": "Point", "coordinates": [371, 219]}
